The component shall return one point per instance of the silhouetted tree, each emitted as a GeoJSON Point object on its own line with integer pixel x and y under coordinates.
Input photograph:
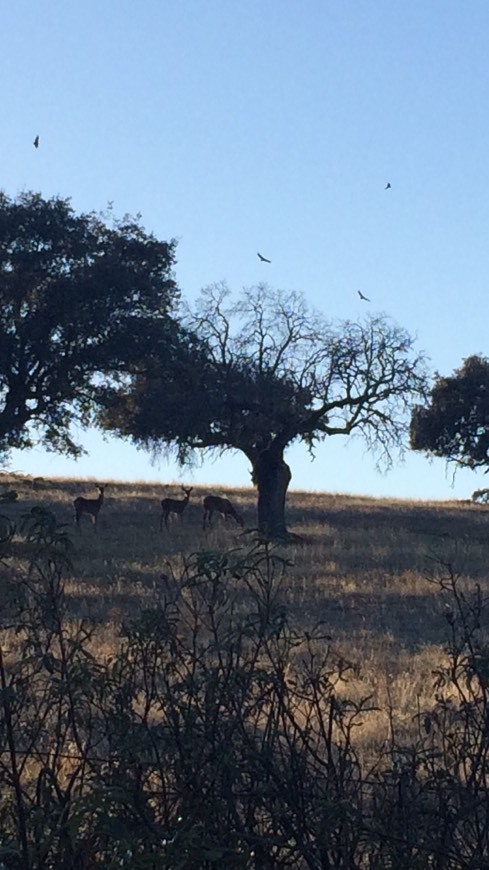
{"type": "Point", "coordinates": [455, 424]}
{"type": "Point", "coordinates": [80, 300]}
{"type": "Point", "coordinates": [268, 372]}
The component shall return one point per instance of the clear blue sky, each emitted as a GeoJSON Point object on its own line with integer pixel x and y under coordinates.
{"type": "Point", "coordinates": [240, 126]}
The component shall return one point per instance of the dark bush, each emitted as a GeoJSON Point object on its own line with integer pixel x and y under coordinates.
{"type": "Point", "coordinates": [216, 735]}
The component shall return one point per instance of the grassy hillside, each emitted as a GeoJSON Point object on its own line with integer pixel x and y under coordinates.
{"type": "Point", "coordinates": [167, 698]}
{"type": "Point", "coordinates": [365, 569]}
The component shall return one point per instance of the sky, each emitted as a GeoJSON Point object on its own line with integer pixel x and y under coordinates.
{"type": "Point", "coordinates": [238, 126]}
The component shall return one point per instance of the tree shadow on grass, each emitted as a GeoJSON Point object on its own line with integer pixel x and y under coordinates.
{"type": "Point", "coordinates": [437, 521]}
{"type": "Point", "coordinates": [412, 621]}
{"type": "Point", "coordinates": [393, 541]}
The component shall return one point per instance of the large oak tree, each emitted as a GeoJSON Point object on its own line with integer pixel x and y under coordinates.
{"type": "Point", "coordinates": [269, 372]}
{"type": "Point", "coordinates": [81, 297]}
{"type": "Point", "coordinates": [454, 424]}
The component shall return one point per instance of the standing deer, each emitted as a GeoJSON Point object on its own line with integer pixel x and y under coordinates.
{"type": "Point", "coordinates": [174, 506]}
{"type": "Point", "coordinates": [214, 503]}
{"type": "Point", "coordinates": [89, 506]}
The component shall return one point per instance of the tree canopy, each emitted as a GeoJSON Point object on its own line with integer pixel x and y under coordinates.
{"type": "Point", "coordinates": [266, 372]}
{"type": "Point", "coordinates": [81, 297]}
{"type": "Point", "coordinates": [455, 423]}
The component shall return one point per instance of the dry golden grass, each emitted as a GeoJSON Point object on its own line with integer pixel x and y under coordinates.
{"type": "Point", "coordinates": [362, 570]}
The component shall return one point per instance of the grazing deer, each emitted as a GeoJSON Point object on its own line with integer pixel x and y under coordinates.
{"type": "Point", "coordinates": [214, 503]}
{"type": "Point", "coordinates": [174, 506]}
{"type": "Point", "coordinates": [90, 506]}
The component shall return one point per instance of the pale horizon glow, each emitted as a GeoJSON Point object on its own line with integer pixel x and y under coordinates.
{"type": "Point", "coordinates": [240, 128]}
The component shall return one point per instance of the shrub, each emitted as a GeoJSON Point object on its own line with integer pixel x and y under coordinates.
{"type": "Point", "coordinates": [217, 734]}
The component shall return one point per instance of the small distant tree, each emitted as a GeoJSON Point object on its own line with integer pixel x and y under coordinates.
{"type": "Point", "coordinates": [81, 297]}
{"type": "Point", "coordinates": [454, 424]}
{"type": "Point", "coordinates": [480, 496]}
{"type": "Point", "coordinates": [267, 373]}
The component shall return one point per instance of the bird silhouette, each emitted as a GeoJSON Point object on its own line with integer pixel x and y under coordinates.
{"type": "Point", "coordinates": [388, 185]}
{"type": "Point", "coordinates": [263, 259]}
{"type": "Point", "coordinates": [365, 298]}
{"type": "Point", "coordinates": [36, 142]}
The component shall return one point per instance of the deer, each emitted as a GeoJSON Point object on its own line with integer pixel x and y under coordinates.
{"type": "Point", "coordinates": [216, 504]}
{"type": "Point", "coordinates": [174, 506]}
{"type": "Point", "coordinates": [90, 506]}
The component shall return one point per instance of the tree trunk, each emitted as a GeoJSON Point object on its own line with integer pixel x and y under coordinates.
{"type": "Point", "coordinates": [271, 476]}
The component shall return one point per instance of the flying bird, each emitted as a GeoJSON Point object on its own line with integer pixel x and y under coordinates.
{"type": "Point", "coordinates": [388, 185]}
{"type": "Point", "coordinates": [36, 142]}
{"type": "Point", "coordinates": [365, 298]}
{"type": "Point", "coordinates": [263, 259]}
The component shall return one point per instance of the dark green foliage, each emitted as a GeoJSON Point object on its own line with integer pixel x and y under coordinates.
{"type": "Point", "coordinates": [9, 495]}
{"type": "Point", "coordinates": [7, 531]}
{"type": "Point", "coordinates": [80, 301]}
{"type": "Point", "coordinates": [455, 424]}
